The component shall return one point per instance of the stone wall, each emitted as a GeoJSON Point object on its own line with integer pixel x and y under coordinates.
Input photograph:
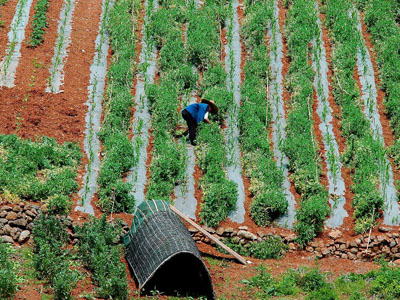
{"type": "Point", "coordinates": [361, 247]}
{"type": "Point", "coordinates": [16, 222]}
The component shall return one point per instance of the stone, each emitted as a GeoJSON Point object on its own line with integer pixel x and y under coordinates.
{"type": "Point", "coordinates": [7, 229]}
{"type": "Point", "coordinates": [30, 213]}
{"type": "Point", "coordinates": [19, 222]}
{"type": "Point", "coordinates": [292, 246]}
{"type": "Point", "coordinates": [386, 250]}
{"type": "Point", "coordinates": [335, 234]}
{"type": "Point", "coordinates": [6, 208]}
{"type": "Point", "coordinates": [24, 236]}
{"type": "Point", "coordinates": [220, 230]}
{"type": "Point", "coordinates": [260, 234]}
{"type": "Point", "coordinates": [358, 241]}
{"type": "Point", "coordinates": [384, 229]}
{"type": "Point", "coordinates": [290, 237]}
{"type": "Point", "coordinates": [342, 247]}
{"type": "Point", "coordinates": [3, 221]}
{"type": "Point", "coordinates": [392, 243]}
{"type": "Point", "coordinates": [381, 238]}
{"type": "Point", "coordinates": [210, 230]}
{"type": "Point", "coordinates": [7, 239]}
{"type": "Point", "coordinates": [192, 229]}
{"type": "Point", "coordinates": [30, 226]}
{"type": "Point", "coordinates": [344, 256]}
{"type": "Point", "coordinates": [228, 231]}
{"type": "Point", "coordinates": [325, 251]}
{"type": "Point", "coordinates": [243, 228]}
{"type": "Point", "coordinates": [309, 249]}
{"type": "Point", "coordinates": [340, 241]}
{"type": "Point", "coordinates": [246, 235]}
{"type": "Point", "coordinates": [3, 214]}
{"type": "Point", "coordinates": [15, 235]}
{"type": "Point", "coordinates": [12, 216]}
{"type": "Point", "coordinates": [354, 250]}
{"type": "Point", "coordinates": [397, 262]}
{"type": "Point", "coordinates": [17, 209]}
{"type": "Point", "coordinates": [351, 256]}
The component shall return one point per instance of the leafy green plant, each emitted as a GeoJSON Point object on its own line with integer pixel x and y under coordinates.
{"type": "Point", "coordinates": [119, 154]}
{"type": "Point", "coordinates": [51, 257]}
{"type": "Point", "coordinates": [47, 170]}
{"type": "Point", "coordinates": [98, 249]}
{"type": "Point", "coordinates": [301, 147]}
{"type": "Point", "coordinates": [362, 152]}
{"type": "Point", "coordinates": [8, 276]}
{"type": "Point", "coordinates": [39, 23]}
{"type": "Point", "coordinates": [271, 247]}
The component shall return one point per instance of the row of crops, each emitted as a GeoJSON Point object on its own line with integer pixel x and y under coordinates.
{"type": "Point", "coordinates": [182, 54]}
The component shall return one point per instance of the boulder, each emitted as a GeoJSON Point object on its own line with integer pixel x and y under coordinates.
{"type": "Point", "coordinates": [220, 230]}
{"type": "Point", "coordinates": [335, 234]}
{"type": "Point", "coordinates": [246, 235]}
{"type": "Point", "coordinates": [19, 222]}
{"type": "Point", "coordinates": [6, 208]}
{"type": "Point", "coordinates": [243, 228]}
{"type": "Point", "coordinates": [3, 214]}
{"type": "Point", "coordinates": [24, 236]}
{"type": "Point", "coordinates": [384, 229]}
{"type": "Point", "coordinates": [7, 239]}
{"type": "Point", "coordinates": [3, 221]}
{"type": "Point", "coordinates": [12, 216]}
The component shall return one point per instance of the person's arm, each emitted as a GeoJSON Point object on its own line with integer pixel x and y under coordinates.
{"type": "Point", "coordinates": [206, 118]}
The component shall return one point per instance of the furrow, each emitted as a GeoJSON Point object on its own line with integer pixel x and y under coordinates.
{"type": "Point", "coordinates": [141, 118]}
{"type": "Point", "coordinates": [98, 72]}
{"type": "Point", "coordinates": [278, 115]}
{"type": "Point", "coordinates": [56, 78]}
{"type": "Point", "coordinates": [232, 62]}
{"type": "Point", "coordinates": [334, 166]}
{"type": "Point", "coordinates": [9, 64]}
{"type": "Point", "coordinates": [370, 110]}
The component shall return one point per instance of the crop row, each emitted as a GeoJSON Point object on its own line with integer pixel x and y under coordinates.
{"type": "Point", "coordinates": [39, 23]}
{"type": "Point", "coordinates": [258, 159]}
{"type": "Point", "coordinates": [301, 146]}
{"type": "Point", "coordinates": [8, 272]}
{"type": "Point", "coordinates": [119, 154]}
{"type": "Point", "coordinates": [363, 154]}
{"type": "Point", "coordinates": [380, 20]}
{"type": "Point", "coordinates": [205, 52]}
{"type": "Point", "coordinates": [168, 156]}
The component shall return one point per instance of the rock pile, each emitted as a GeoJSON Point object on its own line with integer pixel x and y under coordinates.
{"type": "Point", "coordinates": [16, 222]}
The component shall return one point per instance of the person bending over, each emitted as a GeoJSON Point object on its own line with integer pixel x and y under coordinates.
{"type": "Point", "coordinates": [196, 113]}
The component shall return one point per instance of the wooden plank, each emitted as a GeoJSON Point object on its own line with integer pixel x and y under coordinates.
{"type": "Point", "coordinates": [207, 234]}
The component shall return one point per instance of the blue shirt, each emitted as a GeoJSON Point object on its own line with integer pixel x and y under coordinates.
{"type": "Point", "coordinates": [198, 111]}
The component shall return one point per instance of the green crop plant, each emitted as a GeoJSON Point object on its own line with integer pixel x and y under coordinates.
{"type": "Point", "coordinates": [8, 272]}
{"type": "Point", "coordinates": [39, 23]}
{"type": "Point", "coordinates": [362, 151]}
{"type": "Point", "coordinates": [204, 51]}
{"type": "Point", "coordinates": [380, 19]}
{"type": "Point", "coordinates": [47, 170]}
{"type": "Point", "coordinates": [119, 154]}
{"type": "Point", "coordinates": [98, 249]}
{"type": "Point", "coordinates": [51, 258]}
{"type": "Point", "coordinates": [300, 146]}
{"type": "Point", "coordinates": [254, 119]}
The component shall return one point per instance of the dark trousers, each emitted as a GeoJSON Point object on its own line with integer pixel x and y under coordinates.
{"type": "Point", "coordinates": [192, 125]}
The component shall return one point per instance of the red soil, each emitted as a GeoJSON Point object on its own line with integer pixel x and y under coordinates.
{"type": "Point", "coordinates": [285, 94]}
{"type": "Point", "coordinates": [7, 12]}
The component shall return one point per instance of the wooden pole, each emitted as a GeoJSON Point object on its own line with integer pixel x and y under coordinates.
{"type": "Point", "coordinates": [207, 234]}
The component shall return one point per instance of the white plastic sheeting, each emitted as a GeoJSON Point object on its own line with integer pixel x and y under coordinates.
{"type": "Point", "coordinates": [63, 41]}
{"type": "Point", "coordinates": [141, 118]}
{"type": "Point", "coordinates": [98, 72]}
{"type": "Point", "coordinates": [369, 97]}
{"type": "Point", "coordinates": [9, 64]}
{"type": "Point", "coordinates": [278, 115]}
{"type": "Point", "coordinates": [334, 166]}
{"type": "Point", "coordinates": [234, 170]}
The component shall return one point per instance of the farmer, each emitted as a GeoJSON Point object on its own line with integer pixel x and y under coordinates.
{"type": "Point", "coordinates": [197, 112]}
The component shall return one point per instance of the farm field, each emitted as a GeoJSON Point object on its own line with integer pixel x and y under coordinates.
{"type": "Point", "coordinates": [299, 171]}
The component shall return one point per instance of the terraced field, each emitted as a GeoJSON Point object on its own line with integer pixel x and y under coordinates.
{"type": "Point", "coordinates": [306, 140]}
